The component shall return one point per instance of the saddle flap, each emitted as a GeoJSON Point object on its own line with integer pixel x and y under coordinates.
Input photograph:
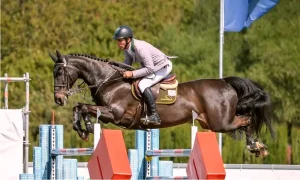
{"type": "Point", "coordinates": [165, 91]}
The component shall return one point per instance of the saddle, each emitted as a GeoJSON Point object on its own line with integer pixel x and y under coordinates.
{"type": "Point", "coordinates": [165, 91]}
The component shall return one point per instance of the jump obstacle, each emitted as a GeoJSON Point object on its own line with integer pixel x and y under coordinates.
{"type": "Point", "coordinates": [109, 159]}
{"type": "Point", "coordinates": [26, 111]}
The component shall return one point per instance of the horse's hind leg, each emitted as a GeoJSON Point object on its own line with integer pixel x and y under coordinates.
{"type": "Point", "coordinates": [229, 125]}
{"type": "Point", "coordinates": [239, 121]}
{"type": "Point", "coordinates": [254, 145]}
{"type": "Point", "coordinates": [224, 125]}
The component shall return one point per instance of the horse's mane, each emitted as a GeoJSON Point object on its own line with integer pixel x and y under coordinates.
{"type": "Point", "coordinates": [114, 64]}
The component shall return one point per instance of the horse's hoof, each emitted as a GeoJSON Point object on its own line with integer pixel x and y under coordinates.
{"type": "Point", "coordinates": [85, 138]}
{"type": "Point", "coordinates": [85, 135]}
{"type": "Point", "coordinates": [264, 152]}
{"type": "Point", "coordinates": [257, 153]}
{"type": "Point", "coordinates": [252, 148]}
{"type": "Point", "coordinates": [90, 128]}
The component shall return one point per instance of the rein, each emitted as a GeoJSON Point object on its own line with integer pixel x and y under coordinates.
{"type": "Point", "coordinates": [73, 91]}
{"type": "Point", "coordinates": [107, 81]}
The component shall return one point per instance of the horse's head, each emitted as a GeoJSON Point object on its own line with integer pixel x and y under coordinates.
{"type": "Point", "coordinates": [64, 75]}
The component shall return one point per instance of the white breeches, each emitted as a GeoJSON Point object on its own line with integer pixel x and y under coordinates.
{"type": "Point", "coordinates": [154, 78]}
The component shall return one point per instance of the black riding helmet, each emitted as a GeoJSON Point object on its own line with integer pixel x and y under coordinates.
{"type": "Point", "coordinates": [123, 32]}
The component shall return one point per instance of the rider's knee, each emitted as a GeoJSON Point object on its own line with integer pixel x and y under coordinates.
{"type": "Point", "coordinates": [142, 86]}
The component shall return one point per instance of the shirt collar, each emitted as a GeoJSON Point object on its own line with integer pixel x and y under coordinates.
{"type": "Point", "coordinates": [130, 50]}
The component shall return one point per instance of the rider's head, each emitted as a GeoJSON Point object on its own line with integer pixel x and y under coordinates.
{"type": "Point", "coordinates": [123, 35]}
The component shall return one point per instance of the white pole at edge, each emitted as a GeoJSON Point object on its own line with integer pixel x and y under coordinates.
{"type": "Point", "coordinates": [221, 55]}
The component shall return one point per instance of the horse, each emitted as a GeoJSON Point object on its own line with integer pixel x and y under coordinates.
{"type": "Point", "coordinates": [231, 105]}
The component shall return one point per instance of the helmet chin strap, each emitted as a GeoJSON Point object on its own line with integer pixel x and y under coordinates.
{"type": "Point", "coordinates": [127, 42]}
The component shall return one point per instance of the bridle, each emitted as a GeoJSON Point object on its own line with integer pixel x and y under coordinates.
{"type": "Point", "coordinates": [67, 76]}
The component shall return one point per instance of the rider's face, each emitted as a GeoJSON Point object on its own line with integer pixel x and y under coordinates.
{"type": "Point", "coordinates": [122, 43]}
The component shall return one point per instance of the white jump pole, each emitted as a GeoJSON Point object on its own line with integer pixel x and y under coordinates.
{"type": "Point", "coordinates": [194, 129]}
{"type": "Point", "coordinates": [97, 130]}
{"type": "Point", "coordinates": [221, 56]}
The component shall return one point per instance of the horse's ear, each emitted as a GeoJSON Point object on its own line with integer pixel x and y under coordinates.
{"type": "Point", "coordinates": [60, 57]}
{"type": "Point", "coordinates": [53, 57]}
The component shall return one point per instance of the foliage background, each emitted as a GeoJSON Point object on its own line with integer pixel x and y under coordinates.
{"type": "Point", "coordinates": [267, 52]}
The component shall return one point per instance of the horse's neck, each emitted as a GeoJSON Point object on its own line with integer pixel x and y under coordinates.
{"type": "Point", "coordinates": [90, 71]}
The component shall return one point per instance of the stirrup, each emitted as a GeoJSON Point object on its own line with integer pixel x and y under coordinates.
{"type": "Point", "coordinates": [146, 121]}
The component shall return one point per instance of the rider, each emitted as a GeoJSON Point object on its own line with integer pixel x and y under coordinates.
{"type": "Point", "coordinates": [155, 65]}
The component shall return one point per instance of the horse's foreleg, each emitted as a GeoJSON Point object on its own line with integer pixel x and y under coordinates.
{"type": "Point", "coordinates": [83, 134]}
{"type": "Point", "coordinates": [87, 120]}
{"type": "Point", "coordinates": [91, 110]}
{"type": "Point", "coordinates": [254, 145]}
{"type": "Point", "coordinates": [106, 115]}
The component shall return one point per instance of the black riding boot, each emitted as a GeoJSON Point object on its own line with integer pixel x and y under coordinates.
{"type": "Point", "coordinates": [150, 101]}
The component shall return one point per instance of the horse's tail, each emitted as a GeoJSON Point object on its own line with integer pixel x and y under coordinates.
{"type": "Point", "coordinates": [253, 101]}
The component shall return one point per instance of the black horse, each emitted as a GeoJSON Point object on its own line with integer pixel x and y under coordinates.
{"type": "Point", "coordinates": [229, 105]}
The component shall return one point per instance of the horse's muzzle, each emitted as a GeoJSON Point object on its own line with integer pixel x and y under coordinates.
{"type": "Point", "coordinates": [60, 98]}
